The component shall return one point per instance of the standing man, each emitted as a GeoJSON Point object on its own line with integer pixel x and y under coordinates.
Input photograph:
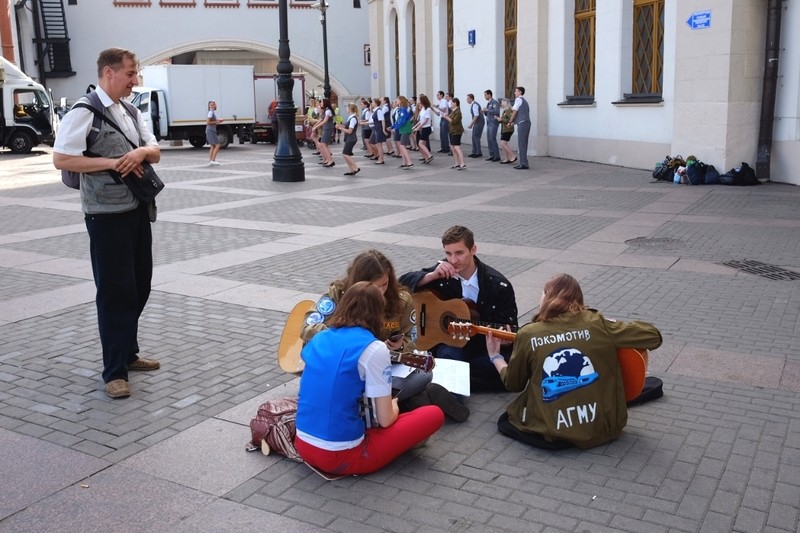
{"type": "Point", "coordinates": [463, 275]}
{"type": "Point", "coordinates": [521, 117]}
{"type": "Point", "coordinates": [120, 239]}
{"type": "Point", "coordinates": [492, 112]}
{"type": "Point", "coordinates": [442, 109]}
{"type": "Point", "coordinates": [476, 125]}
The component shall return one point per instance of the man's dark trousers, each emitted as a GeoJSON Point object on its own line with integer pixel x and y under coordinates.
{"type": "Point", "coordinates": [122, 264]}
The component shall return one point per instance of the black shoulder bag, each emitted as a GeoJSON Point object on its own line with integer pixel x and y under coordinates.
{"type": "Point", "coordinates": [145, 187]}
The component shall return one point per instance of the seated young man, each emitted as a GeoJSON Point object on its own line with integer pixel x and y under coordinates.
{"type": "Point", "coordinates": [462, 275]}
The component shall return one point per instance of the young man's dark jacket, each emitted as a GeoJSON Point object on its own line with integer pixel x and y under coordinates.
{"type": "Point", "coordinates": [496, 301]}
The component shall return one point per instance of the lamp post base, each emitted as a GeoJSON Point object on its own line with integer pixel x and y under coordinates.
{"type": "Point", "coordinates": [288, 171]}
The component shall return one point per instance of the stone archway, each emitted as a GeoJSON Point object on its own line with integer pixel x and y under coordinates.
{"type": "Point", "coordinates": [252, 46]}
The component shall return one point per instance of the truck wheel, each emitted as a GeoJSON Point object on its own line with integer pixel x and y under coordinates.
{"type": "Point", "coordinates": [224, 137]}
{"type": "Point", "coordinates": [20, 143]}
{"type": "Point", "coordinates": [197, 142]}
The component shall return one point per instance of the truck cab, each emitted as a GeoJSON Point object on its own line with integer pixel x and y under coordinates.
{"type": "Point", "coordinates": [27, 117]}
{"type": "Point", "coordinates": [148, 101]}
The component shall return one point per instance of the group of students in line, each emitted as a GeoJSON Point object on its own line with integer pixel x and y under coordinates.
{"type": "Point", "coordinates": [405, 125]}
{"type": "Point", "coordinates": [563, 363]}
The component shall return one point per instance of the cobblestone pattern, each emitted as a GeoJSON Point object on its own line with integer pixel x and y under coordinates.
{"type": "Point", "coordinates": [720, 312]}
{"type": "Point", "coordinates": [475, 177]}
{"type": "Point", "coordinates": [413, 191]}
{"type": "Point", "coordinates": [312, 269]}
{"type": "Point", "coordinates": [311, 212]}
{"type": "Point", "coordinates": [579, 199]}
{"type": "Point", "coordinates": [17, 219]}
{"type": "Point", "coordinates": [171, 242]}
{"type": "Point", "coordinates": [173, 199]}
{"type": "Point", "coordinates": [709, 456]}
{"type": "Point", "coordinates": [724, 242]}
{"type": "Point", "coordinates": [544, 231]}
{"type": "Point", "coordinates": [783, 202]}
{"type": "Point", "coordinates": [16, 283]}
{"type": "Point", "coordinates": [703, 458]}
{"type": "Point", "coordinates": [604, 176]}
{"type": "Point", "coordinates": [214, 356]}
{"type": "Point", "coordinates": [264, 183]}
{"type": "Point", "coordinates": [36, 191]}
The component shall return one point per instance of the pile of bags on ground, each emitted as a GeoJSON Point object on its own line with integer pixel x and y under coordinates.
{"type": "Point", "coordinates": [692, 171]}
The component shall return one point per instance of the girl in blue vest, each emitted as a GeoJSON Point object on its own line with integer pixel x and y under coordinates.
{"type": "Point", "coordinates": [343, 364]}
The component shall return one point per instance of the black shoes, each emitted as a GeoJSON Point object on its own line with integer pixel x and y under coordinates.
{"type": "Point", "coordinates": [521, 167]}
{"type": "Point", "coordinates": [442, 398]}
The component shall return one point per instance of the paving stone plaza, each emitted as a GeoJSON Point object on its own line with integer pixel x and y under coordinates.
{"type": "Point", "coordinates": [716, 268]}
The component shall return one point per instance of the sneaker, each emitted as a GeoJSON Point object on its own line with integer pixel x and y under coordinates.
{"type": "Point", "coordinates": [118, 388]}
{"type": "Point", "coordinates": [213, 163]}
{"type": "Point", "coordinates": [442, 398]}
{"type": "Point", "coordinates": [144, 364]}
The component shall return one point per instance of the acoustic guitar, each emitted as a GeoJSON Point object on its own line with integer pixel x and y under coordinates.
{"type": "Point", "coordinates": [291, 345]}
{"type": "Point", "coordinates": [632, 361]}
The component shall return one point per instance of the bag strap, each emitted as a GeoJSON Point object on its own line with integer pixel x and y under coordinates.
{"type": "Point", "coordinates": [99, 115]}
{"type": "Point", "coordinates": [93, 102]}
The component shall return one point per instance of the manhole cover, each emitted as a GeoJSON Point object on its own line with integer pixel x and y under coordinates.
{"type": "Point", "coordinates": [763, 269]}
{"type": "Point", "coordinates": [659, 243]}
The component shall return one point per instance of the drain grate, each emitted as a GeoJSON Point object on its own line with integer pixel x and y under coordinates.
{"type": "Point", "coordinates": [763, 269]}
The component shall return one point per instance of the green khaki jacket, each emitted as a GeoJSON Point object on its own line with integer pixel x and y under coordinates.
{"type": "Point", "coordinates": [570, 379]}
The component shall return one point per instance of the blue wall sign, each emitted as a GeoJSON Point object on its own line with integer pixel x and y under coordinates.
{"type": "Point", "coordinates": [700, 20]}
{"type": "Point", "coordinates": [471, 37]}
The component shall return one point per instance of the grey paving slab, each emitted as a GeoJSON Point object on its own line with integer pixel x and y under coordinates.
{"type": "Point", "coordinates": [116, 499]}
{"type": "Point", "coordinates": [579, 198]}
{"type": "Point", "coordinates": [312, 269]}
{"type": "Point", "coordinates": [544, 231]}
{"type": "Point", "coordinates": [312, 212]}
{"type": "Point", "coordinates": [16, 219]}
{"type": "Point", "coordinates": [718, 453]}
{"type": "Point", "coordinates": [171, 242]}
{"type": "Point", "coordinates": [34, 469]}
{"type": "Point", "coordinates": [723, 242]}
{"type": "Point", "coordinates": [18, 282]}
{"type": "Point", "coordinates": [759, 203]}
{"type": "Point", "coordinates": [216, 461]}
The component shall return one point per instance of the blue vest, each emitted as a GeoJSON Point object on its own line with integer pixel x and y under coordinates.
{"type": "Point", "coordinates": [331, 387]}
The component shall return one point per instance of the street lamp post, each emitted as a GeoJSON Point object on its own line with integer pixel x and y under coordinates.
{"type": "Point", "coordinates": [288, 162]}
{"type": "Point", "coordinates": [326, 83]}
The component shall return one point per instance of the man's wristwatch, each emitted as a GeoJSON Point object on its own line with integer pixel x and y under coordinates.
{"type": "Point", "coordinates": [495, 357]}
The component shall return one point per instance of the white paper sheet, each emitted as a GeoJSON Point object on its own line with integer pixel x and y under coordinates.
{"type": "Point", "coordinates": [450, 374]}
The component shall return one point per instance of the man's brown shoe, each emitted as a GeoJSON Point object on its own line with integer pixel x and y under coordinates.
{"type": "Point", "coordinates": [118, 388]}
{"type": "Point", "coordinates": [144, 364]}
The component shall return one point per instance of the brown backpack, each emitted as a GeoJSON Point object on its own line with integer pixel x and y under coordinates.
{"type": "Point", "coordinates": [273, 428]}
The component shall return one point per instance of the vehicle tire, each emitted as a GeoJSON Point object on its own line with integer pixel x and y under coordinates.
{"type": "Point", "coordinates": [20, 142]}
{"type": "Point", "coordinates": [224, 137]}
{"type": "Point", "coordinates": [197, 142]}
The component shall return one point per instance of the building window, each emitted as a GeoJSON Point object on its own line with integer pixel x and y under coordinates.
{"type": "Point", "coordinates": [585, 17]}
{"type": "Point", "coordinates": [450, 71]}
{"type": "Point", "coordinates": [648, 48]}
{"type": "Point", "coordinates": [511, 47]}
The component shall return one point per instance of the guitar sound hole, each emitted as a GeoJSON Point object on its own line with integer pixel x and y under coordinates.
{"type": "Point", "coordinates": [445, 321]}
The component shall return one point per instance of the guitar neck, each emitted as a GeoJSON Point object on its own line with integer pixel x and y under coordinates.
{"type": "Point", "coordinates": [469, 329]}
{"type": "Point", "coordinates": [422, 360]}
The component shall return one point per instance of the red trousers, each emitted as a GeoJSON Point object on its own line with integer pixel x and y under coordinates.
{"type": "Point", "coordinates": [380, 446]}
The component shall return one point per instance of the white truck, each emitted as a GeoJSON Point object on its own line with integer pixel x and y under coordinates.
{"type": "Point", "coordinates": [266, 90]}
{"type": "Point", "coordinates": [27, 117]}
{"type": "Point", "coordinates": [174, 100]}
